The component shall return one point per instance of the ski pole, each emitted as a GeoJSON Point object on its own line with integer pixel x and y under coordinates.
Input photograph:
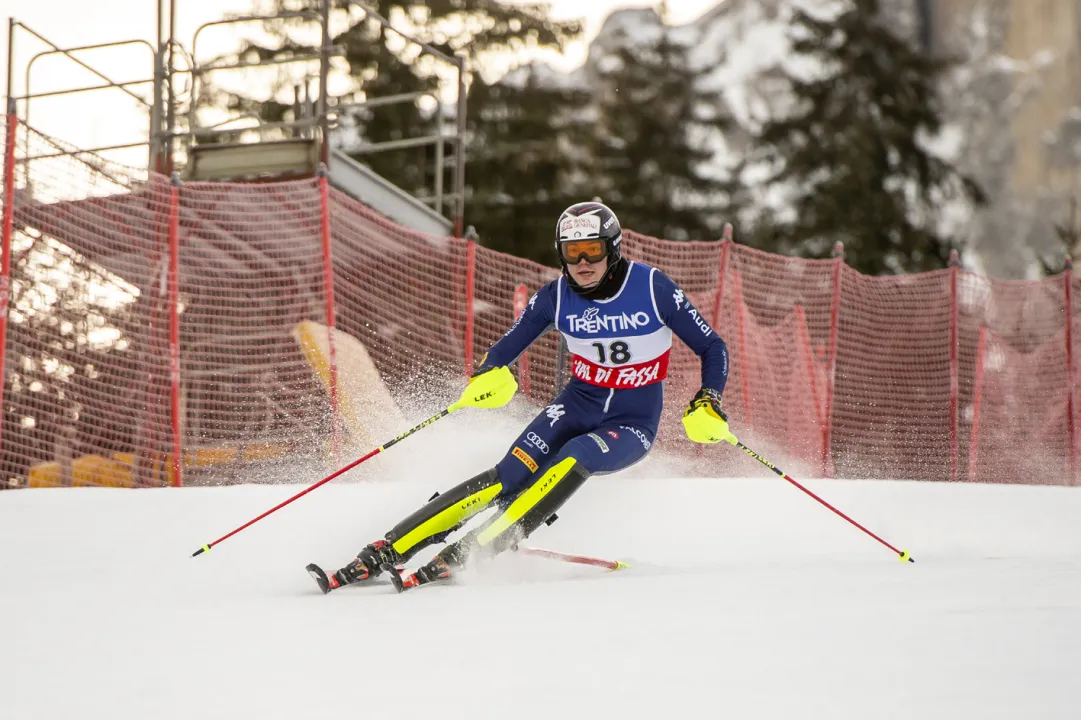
{"type": "Point", "coordinates": [902, 555]}
{"type": "Point", "coordinates": [579, 559]}
{"type": "Point", "coordinates": [442, 414]}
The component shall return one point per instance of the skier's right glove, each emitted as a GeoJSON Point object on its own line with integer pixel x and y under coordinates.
{"type": "Point", "coordinates": [705, 421]}
{"type": "Point", "coordinates": [489, 389]}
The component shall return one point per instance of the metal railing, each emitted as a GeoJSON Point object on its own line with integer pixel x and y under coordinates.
{"type": "Point", "coordinates": [458, 185]}
{"type": "Point", "coordinates": [28, 95]}
{"type": "Point", "coordinates": [327, 113]}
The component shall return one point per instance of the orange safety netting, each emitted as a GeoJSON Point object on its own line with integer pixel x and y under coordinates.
{"type": "Point", "coordinates": [935, 376]}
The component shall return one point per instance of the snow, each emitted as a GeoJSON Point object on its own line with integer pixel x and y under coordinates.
{"type": "Point", "coordinates": [745, 599]}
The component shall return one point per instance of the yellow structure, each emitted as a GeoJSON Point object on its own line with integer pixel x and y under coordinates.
{"type": "Point", "coordinates": [116, 470]}
{"type": "Point", "coordinates": [369, 413]}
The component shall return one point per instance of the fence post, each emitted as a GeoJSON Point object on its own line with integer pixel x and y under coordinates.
{"type": "Point", "coordinates": [174, 323]}
{"type": "Point", "coordinates": [470, 274]}
{"type": "Point", "coordinates": [1071, 385]}
{"type": "Point", "coordinates": [521, 299]}
{"type": "Point", "coordinates": [328, 292]}
{"type": "Point", "coordinates": [977, 397]}
{"type": "Point", "coordinates": [5, 264]}
{"type": "Point", "coordinates": [745, 382]}
{"type": "Point", "coordinates": [954, 265]}
{"type": "Point", "coordinates": [835, 320]}
{"type": "Point", "coordinates": [718, 301]}
{"type": "Point", "coordinates": [726, 245]}
{"type": "Point", "coordinates": [803, 336]}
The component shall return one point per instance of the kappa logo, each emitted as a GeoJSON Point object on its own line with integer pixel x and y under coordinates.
{"type": "Point", "coordinates": [554, 412]}
{"type": "Point", "coordinates": [533, 302]}
{"type": "Point", "coordinates": [535, 440]}
{"type": "Point", "coordinates": [524, 457]}
{"type": "Point", "coordinates": [678, 297]}
{"type": "Point", "coordinates": [600, 443]}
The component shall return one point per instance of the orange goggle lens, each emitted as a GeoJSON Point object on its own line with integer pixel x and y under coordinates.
{"type": "Point", "coordinates": [593, 250]}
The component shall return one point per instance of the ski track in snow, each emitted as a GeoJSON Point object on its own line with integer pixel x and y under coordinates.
{"type": "Point", "coordinates": [745, 599]}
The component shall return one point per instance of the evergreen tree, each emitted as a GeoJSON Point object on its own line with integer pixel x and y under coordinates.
{"type": "Point", "coordinates": [528, 159]}
{"type": "Point", "coordinates": [657, 131]}
{"type": "Point", "coordinates": [1068, 235]}
{"type": "Point", "coordinates": [381, 64]}
{"type": "Point", "coordinates": [850, 155]}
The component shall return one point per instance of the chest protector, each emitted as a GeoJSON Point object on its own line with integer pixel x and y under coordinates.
{"type": "Point", "coordinates": [619, 342]}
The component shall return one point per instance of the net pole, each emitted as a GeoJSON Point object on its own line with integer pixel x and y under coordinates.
{"type": "Point", "coordinates": [718, 302]}
{"type": "Point", "coordinates": [470, 277]}
{"type": "Point", "coordinates": [5, 263]}
{"type": "Point", "coordinates": [744, 376]}
{"type": "Point", "coordinates": [835, 320]}
{"type": "Point", "coordinates": [954, 385]}
{"type": "Point", "coordinates": [977, 399]}
{"type": "Point", "coordinates": [521, 299]}
{"type": "Point", "coordinates": [804, 336]}
{"type": "Point", "coordinates": [1071, 422]}
{"type": "Point", "coordinates": [174, 325]}
{"type": "Point", "coordinates": [328, 286]}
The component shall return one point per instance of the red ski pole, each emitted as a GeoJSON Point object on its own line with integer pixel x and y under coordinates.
{"type": "Point", "coordinates": [902, 555]}
{"type": "Point", "coordinates": [446, 411]}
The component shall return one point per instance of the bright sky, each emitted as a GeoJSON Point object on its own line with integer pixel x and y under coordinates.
{"type": "Point", "coordinates": [93, 121]}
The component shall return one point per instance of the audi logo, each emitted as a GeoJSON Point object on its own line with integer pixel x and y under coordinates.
{"type": "Point", "coordinates": [535, 440]}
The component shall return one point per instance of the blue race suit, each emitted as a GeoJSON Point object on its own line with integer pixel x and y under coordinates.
{"type": "Point", "coordinates": [606, 417]}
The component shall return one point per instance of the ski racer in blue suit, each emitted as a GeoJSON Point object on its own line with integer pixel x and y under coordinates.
{"type": "Point", "coordinates": [617, 317]}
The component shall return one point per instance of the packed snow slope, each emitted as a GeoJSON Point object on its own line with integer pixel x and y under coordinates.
{"type": "Point", "coordinates": [745, 599]}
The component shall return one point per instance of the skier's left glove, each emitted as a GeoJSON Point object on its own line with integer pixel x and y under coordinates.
{"type": "Point", "coordinates": [705, 421]}
{"type": "Point", "coordinates": [489, 388]}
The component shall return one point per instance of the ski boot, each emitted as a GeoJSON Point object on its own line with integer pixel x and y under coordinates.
{"type": "Point", "coordinates": [440, 567]}
{"type": "Point", "coordinates": [437, 569]}
{"type": "Point", "coordinates": [368, 564]}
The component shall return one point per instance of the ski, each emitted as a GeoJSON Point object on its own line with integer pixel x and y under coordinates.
{"type": "Point", "coordinates": [425, 576]}
{"type": "Point", "coordinates": [320, 577]}
{"type": "Point", "coordinates": [327, 586]}
{"type": "Point", "coordinates": [568, 558]}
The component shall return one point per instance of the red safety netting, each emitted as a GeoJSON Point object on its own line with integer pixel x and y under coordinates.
{"type": "Point", "coordinates": [935, 376]}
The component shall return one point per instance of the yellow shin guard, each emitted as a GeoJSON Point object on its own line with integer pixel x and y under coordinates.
{"type": "Point", "coordinates": [533, 506]}
{"type": "Point", "coordinates": [444, 513]}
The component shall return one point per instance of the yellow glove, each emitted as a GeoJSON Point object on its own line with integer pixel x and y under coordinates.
{"type": "Point", "coordinates": [704, 420]}
{"type": "Point", "coordinates": [490, 389]}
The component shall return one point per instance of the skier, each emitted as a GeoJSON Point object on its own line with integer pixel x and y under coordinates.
{"type": "Point", "coordinates": [617, 317]}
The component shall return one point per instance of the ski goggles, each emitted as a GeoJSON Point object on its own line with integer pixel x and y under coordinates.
{"type": "Point", "coordinates": [593, 250]}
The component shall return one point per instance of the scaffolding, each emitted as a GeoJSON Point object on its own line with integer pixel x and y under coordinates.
{"type": "Point", "coordinates": [177, 142]}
